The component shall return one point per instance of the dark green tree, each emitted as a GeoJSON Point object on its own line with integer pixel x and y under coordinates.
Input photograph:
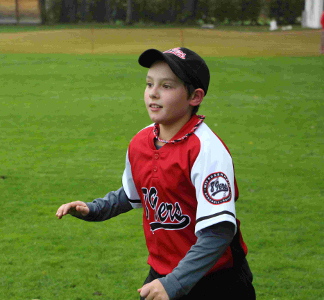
{"type": "Point", "coordinates": [69, 9]}
{"type": "Point", "coordinates": [189, 11]}
{"type": "Point", "coordinates": [250, 11]}
{"type": "Point", "coordinates": [286, 11]}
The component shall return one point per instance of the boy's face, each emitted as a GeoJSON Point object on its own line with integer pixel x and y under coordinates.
{"type": "Point", "coordinates": [165, 96]}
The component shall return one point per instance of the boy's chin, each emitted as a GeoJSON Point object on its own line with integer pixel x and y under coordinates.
{"type": "Point", "coordinates": [155, 119]}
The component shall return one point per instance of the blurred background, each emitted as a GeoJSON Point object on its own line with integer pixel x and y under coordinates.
{"type": "Point", "coordinates": [202, 12]}
{"type": "Point", "coordinates": [71, 100]}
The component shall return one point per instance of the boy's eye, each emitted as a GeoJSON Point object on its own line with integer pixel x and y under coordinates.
{"type": "Point", "coordinates": [167, 86]}
{"type": "Point", "coordinates": [149, 84]}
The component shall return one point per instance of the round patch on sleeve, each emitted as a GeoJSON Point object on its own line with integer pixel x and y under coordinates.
{"type": "Point", "coordinates": [217, 188]}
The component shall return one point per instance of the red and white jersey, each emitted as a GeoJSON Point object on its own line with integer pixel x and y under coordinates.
{"type": "Point", "coordinates": [183, 188]}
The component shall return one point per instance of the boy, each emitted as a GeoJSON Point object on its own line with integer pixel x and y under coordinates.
{"type": "Point", "coordinates": [182, 175]}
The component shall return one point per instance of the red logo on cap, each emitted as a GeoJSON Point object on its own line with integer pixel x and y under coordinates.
{"type": "Point", "coordinates": [177, 52]}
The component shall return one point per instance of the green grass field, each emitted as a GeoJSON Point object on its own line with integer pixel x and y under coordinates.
{"type": "Point", "coordinates": [66, 121]}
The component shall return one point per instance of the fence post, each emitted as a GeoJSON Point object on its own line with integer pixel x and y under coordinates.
{"type": "Point", "coordinates": [17, 12]}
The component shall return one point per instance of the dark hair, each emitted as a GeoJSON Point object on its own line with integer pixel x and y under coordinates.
{"type": "Point", "coordinates": [190, 89]}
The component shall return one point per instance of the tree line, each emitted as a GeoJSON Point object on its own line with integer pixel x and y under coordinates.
{"type": "Point", "coordinates": [253, 12]}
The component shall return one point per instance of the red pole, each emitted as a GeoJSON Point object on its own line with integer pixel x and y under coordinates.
{"type": "Point", "coordinates": [92, 40]}
{"type": "Point", "coordinates": [181, 38]}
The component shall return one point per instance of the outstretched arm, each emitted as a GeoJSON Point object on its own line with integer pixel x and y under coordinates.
{"type": "Point", "coordinates": [113, 204]}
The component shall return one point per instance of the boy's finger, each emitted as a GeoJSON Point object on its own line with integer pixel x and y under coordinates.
{"type": "Point", "coordinates": [59, 212]}
{"type": "Point", "coordinates": [144, 291]}
{"type": "Point", "coordinates": [72, 208]}
{"type": "Point", "coordinates": [63, 210]}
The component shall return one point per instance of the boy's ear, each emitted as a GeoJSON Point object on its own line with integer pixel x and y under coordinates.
{"type": "Point", "coordinates": [197, 97]}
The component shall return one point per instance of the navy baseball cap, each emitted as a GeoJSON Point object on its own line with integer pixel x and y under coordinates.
{"type": "Point", "coordinates": [184, 63]}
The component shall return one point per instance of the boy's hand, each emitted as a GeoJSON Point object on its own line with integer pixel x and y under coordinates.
{"type": "Point", "coordinates": [153, 291]}
{"type": "Point", "coordinates": [76, 208]}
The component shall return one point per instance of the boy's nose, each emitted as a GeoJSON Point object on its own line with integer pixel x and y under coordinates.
{"type": "Point", "coordinates": [154, 94]}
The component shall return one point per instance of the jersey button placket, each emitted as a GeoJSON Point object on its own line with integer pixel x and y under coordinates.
{"type": "Point", "coordinates": [156, 157]}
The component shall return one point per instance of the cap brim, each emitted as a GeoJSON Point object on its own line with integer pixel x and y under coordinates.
{"type": "Point", "coordinates": [149, 57]}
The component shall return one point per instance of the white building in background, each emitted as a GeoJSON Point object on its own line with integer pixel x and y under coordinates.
{"type": "Point", "coordinates": [312, 13]}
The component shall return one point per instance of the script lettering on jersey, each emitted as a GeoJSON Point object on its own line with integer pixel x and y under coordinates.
{"type": "Point", "coordinates": [217, 187]}
{"type": "Point", "coordinates": [163, 215]}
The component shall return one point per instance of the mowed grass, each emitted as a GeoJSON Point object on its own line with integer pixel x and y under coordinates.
{"type": "Point", "coordinates": [65, 125]}
{"type": "Point", "coordinates": [66, 121]}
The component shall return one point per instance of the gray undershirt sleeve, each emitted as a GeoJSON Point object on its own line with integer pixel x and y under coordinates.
{"type": "Point", "coordinates": [210, 246]}
{"type": "Point", "coordinates": [113, 204]}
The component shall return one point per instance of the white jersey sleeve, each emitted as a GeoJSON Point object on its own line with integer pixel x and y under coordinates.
{"type": "Point", "coordinates": [213, 177]}
{"type": "Point", "coordinates": [129, 185]}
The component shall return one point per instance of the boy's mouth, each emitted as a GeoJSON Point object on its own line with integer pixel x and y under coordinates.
{"type": "Point", "coordinates": [152, 105]}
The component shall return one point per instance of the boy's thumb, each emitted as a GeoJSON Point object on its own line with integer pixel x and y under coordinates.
{"type": "Point", "coordinates": [82, 209]}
